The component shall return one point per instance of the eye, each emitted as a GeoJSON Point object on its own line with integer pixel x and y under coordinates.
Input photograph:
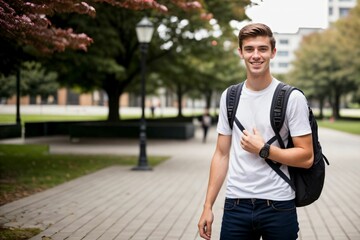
{"type": "Point", "coordinates": [248, 49]}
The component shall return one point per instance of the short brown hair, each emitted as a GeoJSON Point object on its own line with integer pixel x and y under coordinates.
{"type": "Point", "coordinates": [254, 30]}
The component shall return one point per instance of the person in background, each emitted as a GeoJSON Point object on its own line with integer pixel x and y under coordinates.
{"type": "Point", "coordinates": [152, 109]}
{"type": "Point", "coordinates": [205, 124]}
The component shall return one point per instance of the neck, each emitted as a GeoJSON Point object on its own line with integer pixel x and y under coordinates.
{"type": "Point", "coordinates": [258, 83]}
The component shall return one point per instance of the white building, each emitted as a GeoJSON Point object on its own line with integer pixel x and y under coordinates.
{"type": "Point", "coordinates": [287, 43]}
{"type": "Point", "coordinates": [339, 8]}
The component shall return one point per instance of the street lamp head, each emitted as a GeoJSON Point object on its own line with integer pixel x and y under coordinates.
{"type": "Point", "coordinates": [144, 30]}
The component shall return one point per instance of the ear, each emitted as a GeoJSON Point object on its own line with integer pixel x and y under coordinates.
{"type": "Point", "coordinates": [273, 53]}
{"type": "Point", "coordinates": [240, 53]}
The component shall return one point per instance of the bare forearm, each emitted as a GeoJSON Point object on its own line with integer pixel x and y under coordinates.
{"type": "Point", "coordinates": [218, 170]}
{"type": "Point", "coordinates": [295, 157]}
{"type": "Point", "coordinates": [301, 155]}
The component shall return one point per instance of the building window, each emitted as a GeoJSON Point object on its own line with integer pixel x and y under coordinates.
{"type": "Point", "coordinates": [283, 53]}
{"type": "Point", "coordinates": [331, 11]}
{"type": "Point", "coordinates": [284, 41]}
{"type": "Point", "coordinates": [283, 65]}
{"type": "Point", "coordinates": [343, 12]}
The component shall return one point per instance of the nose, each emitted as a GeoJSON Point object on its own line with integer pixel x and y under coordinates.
{"type": "Point", "coordinates": [256, 53]}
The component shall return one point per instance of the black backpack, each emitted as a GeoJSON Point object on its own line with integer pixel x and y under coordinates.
{"type": "Point", "coordinates": [307, 183]}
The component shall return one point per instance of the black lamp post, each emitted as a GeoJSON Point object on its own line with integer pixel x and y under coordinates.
{"type": "Point", "coordinates": [18, 120]}
{"type": "Point", "coordinates": [144, 32]}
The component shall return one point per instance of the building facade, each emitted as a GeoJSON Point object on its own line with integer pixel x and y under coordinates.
{"type": "Point", "coordinates": [286, 43]}
{"type": "Point", "coordinates": [339, 8]}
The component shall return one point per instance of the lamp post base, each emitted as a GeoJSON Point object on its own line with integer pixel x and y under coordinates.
{"type": "Point", "coordinates": [142, 168]}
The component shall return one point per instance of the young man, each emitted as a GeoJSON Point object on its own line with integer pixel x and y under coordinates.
{"type": "Point", "coordinates": [259, 203]}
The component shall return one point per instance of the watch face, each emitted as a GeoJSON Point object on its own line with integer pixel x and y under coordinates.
{"type": "Point", "coordinates": [264, 152]}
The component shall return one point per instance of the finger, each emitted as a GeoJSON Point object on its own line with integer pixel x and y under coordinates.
{"type": "Point", "coordinates": [208, 230]}
{"type": "Point", "coordinates": [245, 132]}
{"type": "Point", "coordinates": [201, 228]}
{"type": "Point", "coordinates": [202, 231]}
{"type": "Point", "coordinates": [255, 131]}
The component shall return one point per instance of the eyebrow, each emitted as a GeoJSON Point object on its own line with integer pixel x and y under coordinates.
{"type": "Point", "coordinates": [251, 46]}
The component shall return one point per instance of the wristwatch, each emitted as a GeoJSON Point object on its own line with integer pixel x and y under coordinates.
{"type": "Point", "coordinates": [265, 150]}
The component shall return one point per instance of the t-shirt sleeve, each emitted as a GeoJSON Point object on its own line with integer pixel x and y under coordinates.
{"type": "Point", "coordinates": [298, 114]}
{"type": "Point", "coordinates": [223, 123]}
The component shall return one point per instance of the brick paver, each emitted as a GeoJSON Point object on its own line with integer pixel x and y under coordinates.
{"type": "Point", "coordinates": [166, 203]}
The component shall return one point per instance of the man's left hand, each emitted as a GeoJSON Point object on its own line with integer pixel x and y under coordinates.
{"type": "Point", "coordinates": [252, 142]}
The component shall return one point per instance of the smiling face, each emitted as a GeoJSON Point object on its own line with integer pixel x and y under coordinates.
{"type": "Point", "coordinates": [257, 53]}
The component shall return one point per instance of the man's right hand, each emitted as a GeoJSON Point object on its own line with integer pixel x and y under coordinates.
{"type": "Point", "coordinates": [205, 222]}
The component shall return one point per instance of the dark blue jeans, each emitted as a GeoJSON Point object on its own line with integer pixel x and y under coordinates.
{"type": "Point", "coordinates": [250, 219]}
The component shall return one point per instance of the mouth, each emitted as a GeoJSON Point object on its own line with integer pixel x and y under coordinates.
{"type": "Point", "coordinates": [256, 63]}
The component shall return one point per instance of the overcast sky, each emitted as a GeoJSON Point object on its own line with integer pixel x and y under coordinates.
{"type": "Point", "coordinates": [286, 16]}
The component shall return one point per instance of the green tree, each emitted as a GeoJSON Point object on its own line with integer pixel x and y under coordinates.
{"type": "Point", "coordinates": [38, 81]}
{"type": "Point", "coordinates": [327, 63]}
{"type": "Point", "coordinates": [202, 62]}
{"type": "Point", "coordinates": [217, 67]}
{"type": "Point", "coordinates": [35, 81]}
{"type": "Point", "coordinates": [310, 71]}
{"type": "Point", "coordinates": [320, 71]}
{"type": "Point", "coordinates": [28, 23]}
{"type": "Point", "coordinates": [26, 29]}
{"type": "Point", "coordinates": [112, 63]}
{"type": "Point", "coordinates": [8, 87]}
{"type": "Point", "coordinates": [349, 47]}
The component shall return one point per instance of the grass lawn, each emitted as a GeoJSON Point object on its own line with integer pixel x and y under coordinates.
{"type": "Point", "coordinates": [11, 118]}
{"type": "Point", "coordinates": [18, 234]}
{"type": "Point", "coordinates": [26, 169]}
{"type": "Point", "coordinates": [341, 125]}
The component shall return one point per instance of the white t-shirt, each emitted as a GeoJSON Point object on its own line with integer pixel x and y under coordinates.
{"type": "Point", "coordinates": [249, 176]}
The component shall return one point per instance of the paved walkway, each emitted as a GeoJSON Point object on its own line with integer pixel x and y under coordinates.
{"type": "Point", "coordinates": [166, 203]}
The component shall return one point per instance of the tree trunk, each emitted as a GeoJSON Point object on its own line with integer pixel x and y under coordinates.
{"type": "Point", "coordinates": [208, 94]}
{"type": "Point", "coordinates": [321, 108]}
{"type": "Point", "coordinates": [336, 105]}
{"type": "Point", "coordinates": [18, 93]}
{"type": "Point", "coordinates": [112, 88]}
{"type": "Point", "coordinates": [179, 97]}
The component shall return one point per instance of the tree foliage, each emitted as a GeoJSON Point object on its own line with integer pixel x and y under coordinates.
{"type": "Point", "coordinates": [38, 81]}
{"type": "Point", "coordinates": [26, 28]}
{"type": "Point", "coordinates": [35, 81]}
{"type": "Point", "coordinates": [27, 22]}
{"type": "Point", "coordinates": [8, 87]}
{"type": "Point", "coordinates": [349, 46]}
{"type": "Point", "coordinates": [327, 63]}
{"type": "Point", "coordinates": [112, 60]}
{"type": "Point", "coordinates": [203, 68]}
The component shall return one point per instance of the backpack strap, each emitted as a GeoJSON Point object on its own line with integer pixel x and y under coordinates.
{"type": "Point", "coordinates": [232, 101]}
{"type": "Point", "coordinates": [276, 168]}
{"type": "Point", "coordinates": [277, 118]}
{"type": "Point", "coordinates": [278, 109]}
